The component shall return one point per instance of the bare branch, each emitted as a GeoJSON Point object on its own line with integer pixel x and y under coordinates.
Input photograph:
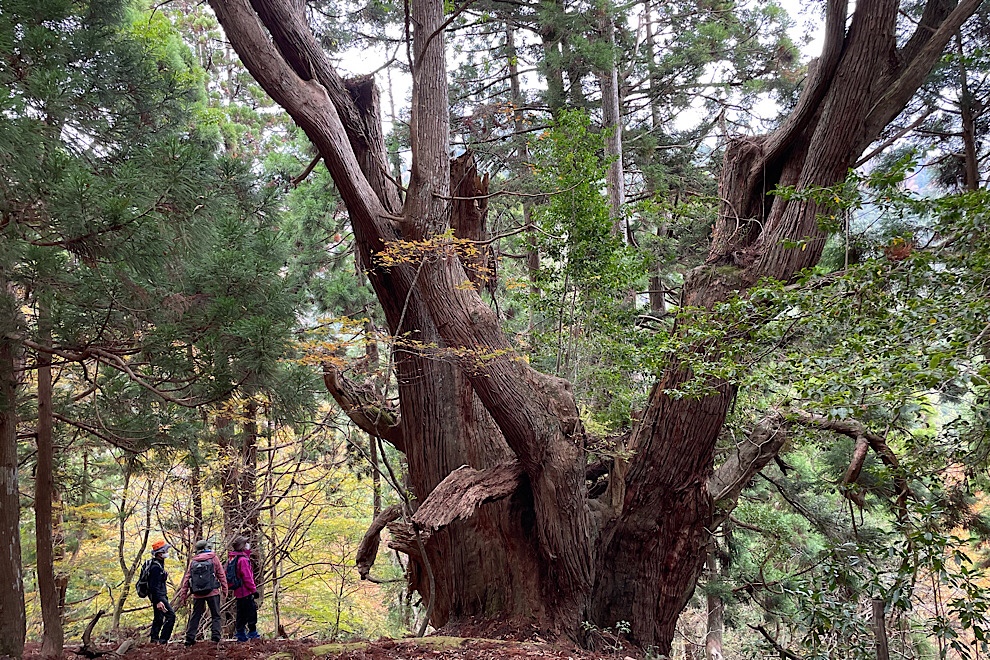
{"type": "Point", "coordinates": [855, 430]}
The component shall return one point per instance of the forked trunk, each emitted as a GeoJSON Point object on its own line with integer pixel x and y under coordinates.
{"type": "Point", "coordinates": [529, 543]}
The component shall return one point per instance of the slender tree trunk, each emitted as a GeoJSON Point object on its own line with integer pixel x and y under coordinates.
{"type": "Point", "coordinates": [12, 619]}
{"type": "Point", "coordinates": [716, 609]}
{"type": "Point", "coordinates": [651, 66]}
{"type": "Point", "coordinates": [880, 629]}
{"type": "Point", "coordinates": [233, 517]}
{"type": "Point", "coordinates": [522, 156]}
{"type": "Point", "coordinates": [971, 167]}
{"type": "Point", "coordinates": [130, 570]}
{"type": "Point", "coordinates": [196, 490]}
{"type": "Point", "coordinates": [552, 61]}
{"type": "Point", "coordinates": [248, 486]}
{"type": "Point", "coordinates": [612, 122]}
{"type": "Point", "coordinates": [44, 491]}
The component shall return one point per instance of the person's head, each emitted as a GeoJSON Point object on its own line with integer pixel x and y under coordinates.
{"type": "Point", "coordinates": [160, 549]}
{"type": "Point", "coordinates": [240, 544]}
{"type": "Point", "coordinates": [202, 545]}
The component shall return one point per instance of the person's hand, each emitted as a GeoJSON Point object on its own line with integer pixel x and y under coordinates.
{"type": "Point", "coordinates": [160, 606]}
{"type": "Point", "coordinates": [256, 595]}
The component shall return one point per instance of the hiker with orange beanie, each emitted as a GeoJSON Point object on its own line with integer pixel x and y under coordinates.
{"type": "Point", "coordinates": [157, 589]}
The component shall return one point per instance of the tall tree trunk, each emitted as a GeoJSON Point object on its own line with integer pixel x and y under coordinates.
{"type": "Point", "coordinates": [248, 482]}
{"type": "Point", "coordinates": [612, 123]}
{"type": "Point", "coordinates": [651, 66]}
{"type": "Point", "coordinates": [971, 162]}
{"type": "Point", "coordinates": [44, 491]}
{"type": "Point", "coordinates": [196, 488]}
{"type": "Point", "coordinates": [522, 157]}
{"type": "Point", "coordinates": [716, 608]}
{"type": "Point", "coordinates": [230, 496]}
{"type": "Point", "coordinates": [12, 619]}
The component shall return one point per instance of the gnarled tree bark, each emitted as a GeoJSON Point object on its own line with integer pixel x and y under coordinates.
{"type": "Point", "coordinates": [546, 552]}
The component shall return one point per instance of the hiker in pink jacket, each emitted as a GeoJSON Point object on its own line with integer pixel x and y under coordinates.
{"type": "Point", "coordinates": [240, 575]}
{"type": "Point", "coordinates": [206, 580]}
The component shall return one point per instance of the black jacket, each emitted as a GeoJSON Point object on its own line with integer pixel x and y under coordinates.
{"type": "Point", "coordinates": [157, 581]}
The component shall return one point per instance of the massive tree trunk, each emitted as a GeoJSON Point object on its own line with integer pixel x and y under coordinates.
{"type": "Point", "coordinates": [516, 536]}
{"type": "Point", "coordinates": [44, 491]}
{"type": "Point", "coordinates": [12, 620]}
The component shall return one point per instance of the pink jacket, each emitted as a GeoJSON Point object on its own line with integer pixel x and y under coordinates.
{"type": "Point", "coordinates": [246, 572]}
{"type": "Point", "coordinates": [217, 567]}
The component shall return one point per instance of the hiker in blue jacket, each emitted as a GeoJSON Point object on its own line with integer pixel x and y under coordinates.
{"type": "Point", "coordinates": [164, 620]}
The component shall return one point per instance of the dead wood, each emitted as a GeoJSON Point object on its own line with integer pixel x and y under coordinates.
{"type": "Point", "coordinates": [87, 649]}
{"type": "Point", "coordinates": [368, 550]}
{"type": "Point", "coordinates": [853, 471]}
{"type": "Point", "coordinates": [465, 489]}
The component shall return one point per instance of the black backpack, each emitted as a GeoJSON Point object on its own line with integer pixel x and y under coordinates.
{"type": "Point", "coordinates": [143, 588]}
{"type": "Point", "coordinates": [233, 575]}
{"type": "Point", "coordinates": [202, 577]}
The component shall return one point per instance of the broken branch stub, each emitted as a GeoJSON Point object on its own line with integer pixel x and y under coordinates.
{"type": "Point", "coordinates": [368, 550]}
{"type": "Point", "coordinates": [465, 489]}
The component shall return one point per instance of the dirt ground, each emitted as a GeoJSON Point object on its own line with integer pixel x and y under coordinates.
{"type": "Point", "coordinates": [431, 648]}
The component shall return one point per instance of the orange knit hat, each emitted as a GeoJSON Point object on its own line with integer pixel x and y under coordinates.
{"type": "Point", "coordinates": [159, 546]}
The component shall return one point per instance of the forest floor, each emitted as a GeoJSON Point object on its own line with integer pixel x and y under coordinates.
{"type": "Point", "coordinates": [432, 648]}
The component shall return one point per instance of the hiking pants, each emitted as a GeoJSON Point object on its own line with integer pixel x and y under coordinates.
{"type": "Point", "coordinates": [199, 607]}
{"type": "Point", "coordinates": [247, 616]}
{"type": "Point", "coordinates": [161, 625]}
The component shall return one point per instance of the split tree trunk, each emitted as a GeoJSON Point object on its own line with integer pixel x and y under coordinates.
{"type": "Point", "coordinates": [546, 553]}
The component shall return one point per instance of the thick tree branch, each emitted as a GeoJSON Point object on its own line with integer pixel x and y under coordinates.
{"type": "Point", "coordinates": [820, 73]}
{"type": "Point", "coordinates": [309, 104]}
{"type": "Point", "coordinates": [295, 41]}
{"type": "Point", "coordinates": [364, 407]}
{"type": "Point", "coordinates": [368, 550]}
{"type": "Point", "coordinates": [751, 456]}
{"type": "Point", "coordinates": [853, 471]}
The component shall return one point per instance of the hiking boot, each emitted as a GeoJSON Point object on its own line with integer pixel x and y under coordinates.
{"type": "Point", "coordinates": [253, 635]}
{"type": "Point", "coordinates": [241, 636]}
